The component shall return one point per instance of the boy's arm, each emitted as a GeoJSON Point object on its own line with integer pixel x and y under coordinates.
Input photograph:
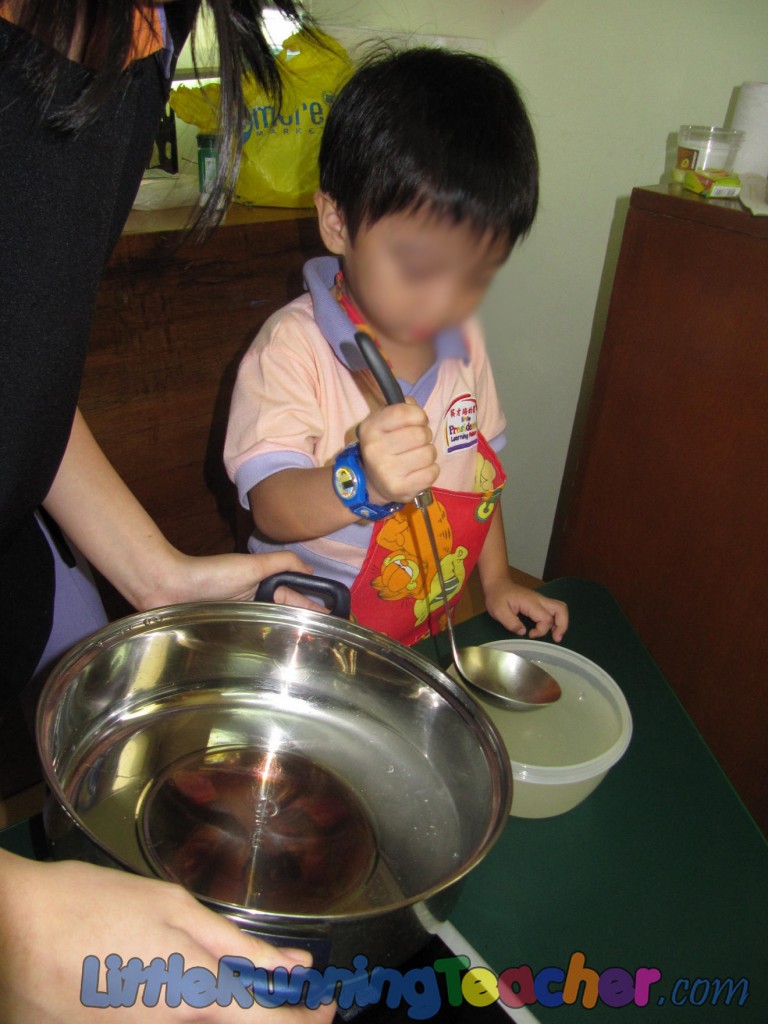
{"type": "Point", "coordinates": [399, 459]}
{"type": "Point", "coordinates": [505, 599]}
{"type": "Point", "coordinates": [298, 504]}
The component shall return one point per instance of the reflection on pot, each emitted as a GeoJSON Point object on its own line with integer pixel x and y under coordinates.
{"type": "Point", "coordinates": [258, 828]}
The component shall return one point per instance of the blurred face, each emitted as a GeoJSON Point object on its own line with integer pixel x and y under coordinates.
{"type": "Point", "coordinates": [412, 274]}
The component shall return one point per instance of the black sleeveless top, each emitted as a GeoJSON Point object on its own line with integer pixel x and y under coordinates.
{"type": "Point", "coordinates": [64, 198]}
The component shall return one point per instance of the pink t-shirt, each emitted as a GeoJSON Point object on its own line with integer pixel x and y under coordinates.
{"type": "Point", "coordinates": [302, 388]}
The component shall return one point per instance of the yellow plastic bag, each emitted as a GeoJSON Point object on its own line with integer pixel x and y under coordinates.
{"type": "Point", "coordinates": [278, 166]}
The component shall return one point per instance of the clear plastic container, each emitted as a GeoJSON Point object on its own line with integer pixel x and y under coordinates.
{"type": "Point", "coordinates": [560, 753]}
{"type": "Point", "coordinates": [702, 148]}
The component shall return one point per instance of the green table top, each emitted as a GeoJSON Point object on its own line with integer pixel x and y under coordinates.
{"type": "Point", "coordinates": [660, 867]}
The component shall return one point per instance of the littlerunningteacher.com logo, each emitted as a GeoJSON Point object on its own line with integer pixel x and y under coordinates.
{"type": "Point", "coordinates": [422, 990]}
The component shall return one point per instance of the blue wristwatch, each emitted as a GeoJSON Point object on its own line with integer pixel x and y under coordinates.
{"type": "Point", "coordinates": [349, 484]}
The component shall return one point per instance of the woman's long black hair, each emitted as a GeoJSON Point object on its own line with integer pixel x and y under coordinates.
{"type": "Point", "coordinates": [108, 27]}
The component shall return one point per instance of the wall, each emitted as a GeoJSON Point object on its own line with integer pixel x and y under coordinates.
{"type": "Point", "coordinates": [607, 83]}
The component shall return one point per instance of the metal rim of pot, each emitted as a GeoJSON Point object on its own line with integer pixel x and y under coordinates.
{"type": "Point", "coordinates": [127, 629]}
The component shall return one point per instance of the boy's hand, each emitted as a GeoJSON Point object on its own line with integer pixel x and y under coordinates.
{"type": "Point", "coordinates": [397, 451]}
{"type": "Point", "coordinates": [506, 600]}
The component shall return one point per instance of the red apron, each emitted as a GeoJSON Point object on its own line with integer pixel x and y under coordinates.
{"type": "Point", "coordinates": [397, 591]}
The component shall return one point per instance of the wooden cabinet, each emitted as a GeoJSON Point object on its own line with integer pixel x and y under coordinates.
{"type": "Point", "coordinates": [669, 502]}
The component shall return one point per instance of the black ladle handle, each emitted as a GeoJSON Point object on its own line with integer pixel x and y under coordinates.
{"type": "Point", "coordinates": [331, 592]}
{"type": "Point", "coordinates": [391, 390]}
{"type": "Point", "coordinates": [379, 367]}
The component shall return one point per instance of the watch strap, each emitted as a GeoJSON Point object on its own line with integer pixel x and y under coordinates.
{"type": "Point", "coordinates": [350, 485]}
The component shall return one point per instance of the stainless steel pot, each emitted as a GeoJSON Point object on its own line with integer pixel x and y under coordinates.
{"type": "Point", "coordinates": [316, 782]}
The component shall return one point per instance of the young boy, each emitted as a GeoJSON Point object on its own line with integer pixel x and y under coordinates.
{"type": "Point", "coordinates": [428, 177]}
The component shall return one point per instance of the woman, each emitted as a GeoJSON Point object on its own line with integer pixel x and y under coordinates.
{"type": "Point", "coordinates": [82, 87]}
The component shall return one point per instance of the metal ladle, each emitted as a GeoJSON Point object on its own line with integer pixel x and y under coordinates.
{"type": "Point", "coordinates": [515, 682]}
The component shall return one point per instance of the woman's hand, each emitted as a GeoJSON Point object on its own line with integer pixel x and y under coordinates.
{"type": "Point", "coordinates": [52, 916]}
{"type": "Point", "coordinates": [224, 578]}
{"type": "Point", "coordinates": [95, 508]}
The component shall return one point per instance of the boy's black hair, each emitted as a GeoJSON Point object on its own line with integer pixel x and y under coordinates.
{"type": "Point", "coordinates": [431, 128]}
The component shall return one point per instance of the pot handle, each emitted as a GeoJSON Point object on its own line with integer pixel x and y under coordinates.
{"type": "Point", "coordinates": [318, 943]}
{"type": "Point", "coordinates": [319, 948]}
{"type": "Point", "coordinates": [331, 592]}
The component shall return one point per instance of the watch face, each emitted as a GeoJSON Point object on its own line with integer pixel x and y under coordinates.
{"type": "Point", "coordinates": [345, 482]}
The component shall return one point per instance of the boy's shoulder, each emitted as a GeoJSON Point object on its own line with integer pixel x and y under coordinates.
{"type": "Point", "coordinates": [474, 339]}
{"type": "Point", "coordinates": [293, 326]}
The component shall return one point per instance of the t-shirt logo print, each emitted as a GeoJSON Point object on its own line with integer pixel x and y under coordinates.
{"type": "Point", "coordinates": [461, 424]}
